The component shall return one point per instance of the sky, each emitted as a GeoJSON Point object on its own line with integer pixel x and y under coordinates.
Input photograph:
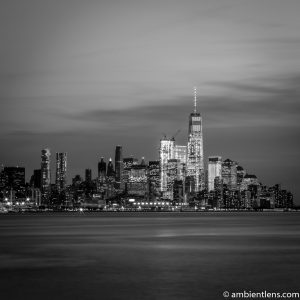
{"type": "Point", "coordinates": [84, 76]}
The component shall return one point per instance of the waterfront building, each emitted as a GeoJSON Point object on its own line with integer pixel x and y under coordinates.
{"type": "Point", "coordinates": [166, 152]}
{"type": "Point", "coordinates": [128, 162]}
{"type": "Point", "coordinates": [229, 174]}
{"type": "Point", "coordinates": [218, 189]}
{"type": "Point", "coordinates": [88, 175]}
{"type": "Point", "coordinates": [138, 181]}
{"type": "Point", "coordinates": [45, 174]}
{"type": "Point", "coordinates": [119, 166]}
{"type": "Point", "coordinates": [102, 170]}
{"type": "Point", "coordinates": [178, 191]}
{"type": "Point", "coordinates": [35, 180]}
{"type": "Point", "coordinates": [282, 198]}
{"type": "Point", "coordinates": [14, 177]}
{"type": "Point", "coordinates": [110, 170]}
{"type": "Point", "coordinates": [61, 171]}
{"type": "Point", "coordinates": [240, 174]}
{"type": "Point", "coordinates": [214, 170]}
{"type": "Point", "coordinates": [2, 177]}
{"type": "Point", "coordinates": [173, 173]}
{"type": "Point", "coordinates": [154, 178]}
{"type": "Point", "coordinates": [248, 180]}
{"type": "Point", "coordinates": [195, 159]}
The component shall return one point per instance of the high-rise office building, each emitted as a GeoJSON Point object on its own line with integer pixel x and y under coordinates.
{"type": "Point", "coordinates": [214, 170]}
{"type": "Point", "coordinates": [88, 175]}
{"type": "Point", "coordinates": [45, 173]}
{"type": "Point", "coordinates": [229, 174]}
{"type": "Point", "coordinates": [35, 180]}
{"type": "Point", "coordinates": [110, 170]}
{"type": "Point", "coordinates": [195, 161]}
{"type": "Point", "coordinates": [180, 153]}
{"type": "Point", "coordinates": [102, 170]}
{"type": "Point", "coordinates": [154, 177]}
{"type": "Point", "coordinates": [137, 184]}
{"type": "Point", "coordinates": [240, 175]}
{"type": "Point", "coordinates": [173, 173]}
{"type": "Point", "coordinates": [128, 162]}
{"type": "Point", "coordinates": [14, 177]}
{"type": "Point", "coordinates": [61, 171]}
{"type": "Point", "coordinates": [248, 180]}
{"type": "Point", "coordinates": [166, 152]}
{"type": "Point", "coordinates": [119, 166]}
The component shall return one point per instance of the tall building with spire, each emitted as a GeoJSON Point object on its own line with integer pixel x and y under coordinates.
{"type": "Point", "coordinates": [61, 171]}
{"type": "Point", "coordinates": [195, 160]}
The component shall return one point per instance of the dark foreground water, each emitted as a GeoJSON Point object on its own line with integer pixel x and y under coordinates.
{"type": "Point", "coordinates": [147, 255]}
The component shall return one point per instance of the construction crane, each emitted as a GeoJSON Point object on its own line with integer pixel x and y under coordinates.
{"type": "Point", "coordinates": [177, 132]}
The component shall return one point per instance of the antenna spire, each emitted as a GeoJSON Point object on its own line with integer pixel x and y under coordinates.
{"type": "Point", "coordinates": [195, 99]}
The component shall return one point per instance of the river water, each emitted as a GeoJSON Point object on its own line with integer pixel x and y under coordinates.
{"type": "Point", "coordinates": [148, 255]}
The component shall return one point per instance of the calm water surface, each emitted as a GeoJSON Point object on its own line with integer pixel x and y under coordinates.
{"type": "Point", "coordinates": [147, 255]}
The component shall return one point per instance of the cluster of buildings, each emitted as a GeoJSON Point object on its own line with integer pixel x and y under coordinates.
{"type": "Point", "coordinates": [179, 179]}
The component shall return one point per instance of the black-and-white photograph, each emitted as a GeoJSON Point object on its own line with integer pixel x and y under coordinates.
{"type": "Point", "coordinates": [149, 149]}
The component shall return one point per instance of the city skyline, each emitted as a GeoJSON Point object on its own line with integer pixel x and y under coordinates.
{"type": "Point", "coordinates": [179, 176]}
{"type": "Point", "coordinates": [172, 151]}
{"type": "Point", "coordinates": [83, 78]}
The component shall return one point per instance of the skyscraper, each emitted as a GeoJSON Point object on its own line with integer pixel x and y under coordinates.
{"type": "Point", "coordinates": [35, 180]}
{"type": "Point", "coordinates": [88, 175]}
{"type": "Point", "coordinates": [61, 171]}
{"type": "Point", "coordinates": [118, 166]}
{"type": "Point", "coordinates": [166, 152]}
{"type": "Point", "coordinates": [195, 161]}
{"type": "Point", "coordinates": [110, 170]}
{"type": "Point", "coordinates": [127, 165]}
{"type": "Point", "coordinates": [173, 173]}
{"type": "Point", "coordinates": [214, 170]}
{"type": "Point", "coordinates": [180, 153]}
{"type": "Point", "coordinates": [229, 174]}
{"type": "Point", "coordinates": [45, 173]}
{"type": "Point", "coordinates": [102, 170]}
{"type": "Point", "coordinates": [154, 179]}
{"type": "Point", "coordinates": [14, 177]}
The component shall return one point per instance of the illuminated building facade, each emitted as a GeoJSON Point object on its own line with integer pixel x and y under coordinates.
{"type": "Point", "coordinates": [14, 177]}
{"type": "Point", "coordinates": [180, 153]}
{"type": "Point", "coordinates": [138, 181]}
{"type": "Point", "coordinates": [214, 170]}
{"type": "Point", "coordinates": [61, 171]}
{"type": "Point", "coordinates": [166, 152]}
{"type": "Point", "coordinates": [102, 170]}
{"type": "Point", "coordinates": [229, 174]}
{"type": "Point", "coordinates": [240, 173]}
{"type": "Point", "coordinates": [45, 173]}
{"type": "Point", "coordinates": [195, 160]}
{"type": "Point", "coordinates": [128, 162]}
{"type": "Point", "coordinates": [154, 177]}
{"type": "Point", "coordinates": [118, 166]}
{"type": "Point", "coordinates": [173, 173]}
{"type": "Point", "coordinates": [248, 180]}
